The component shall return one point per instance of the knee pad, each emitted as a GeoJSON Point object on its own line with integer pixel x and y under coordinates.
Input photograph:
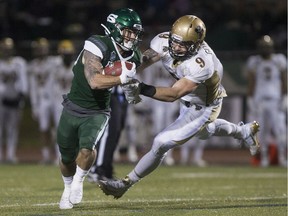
{"type": "Point", "coordinates": [160, 147]}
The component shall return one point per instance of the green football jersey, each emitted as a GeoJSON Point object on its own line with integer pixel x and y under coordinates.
{"type": "Point", "coordinates": [81, 93]}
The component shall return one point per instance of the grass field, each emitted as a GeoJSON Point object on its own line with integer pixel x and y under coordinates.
{"type": "Point", "coordinates": [176, 190]}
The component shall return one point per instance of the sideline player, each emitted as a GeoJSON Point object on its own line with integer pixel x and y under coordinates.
{"type": "Point", "coordinates": [198, 73]}
{"type": "Point", "coordinates": [13, 89]}
{"type": "Point", "coordinates": [267, 97]}
{"type": "Point", "coordinates": [40, 71]}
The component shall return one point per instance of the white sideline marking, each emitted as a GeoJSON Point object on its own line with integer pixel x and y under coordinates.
{"type": "Point", "coordinates": [156, 200]}
{"type": "Point", "coordinates": [225, 175]}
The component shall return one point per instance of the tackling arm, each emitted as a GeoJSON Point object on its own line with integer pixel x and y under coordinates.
{"type": "Point", "coordinates": [169, 94]}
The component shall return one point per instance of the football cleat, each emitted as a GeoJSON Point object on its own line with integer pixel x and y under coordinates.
{"type": "Point", "coordinates": [76, 194]}
{"type": "Point", "coordinates": [250, 138]}
{"type": "Point", "coordinates": [64, 202]}
{"type": "Point", "coordinates": [115, 188]}
{"type": "Point", "coordinates": [95, 178]}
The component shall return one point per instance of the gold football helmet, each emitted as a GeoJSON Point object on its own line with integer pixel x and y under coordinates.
{"type": "Point", "coordinates": [40, 47]}
{"type": "Point", "coordinates": [40, 42]}
{"type": "Point", "coordinates": [7, 43]}
{"type": "Point", "coordinates": [7, 47]}
{"type": "Point", "coordinates": [188, 31]}
{"type": "Point", "coordinates": [66, 47]}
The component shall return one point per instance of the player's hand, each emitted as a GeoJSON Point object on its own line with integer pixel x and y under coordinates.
{"type": "Point", "coordinates": [127, 75]}
{"type": "Point", "coordinates": [131, 91]}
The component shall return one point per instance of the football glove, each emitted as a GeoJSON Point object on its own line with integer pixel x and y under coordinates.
{"type": "Point", "coordinates": [127, 75]}
{"type": "Point", "coordinates": [131, 91]}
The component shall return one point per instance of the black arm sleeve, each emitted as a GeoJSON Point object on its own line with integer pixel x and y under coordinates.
{"type": "Point", "coordinates": [147, 90]}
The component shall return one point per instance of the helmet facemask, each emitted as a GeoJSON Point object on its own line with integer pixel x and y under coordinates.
{"type": "Point", "coordinates": [131, 37]}
{"type": "Point", "coordinates": [191, 48]}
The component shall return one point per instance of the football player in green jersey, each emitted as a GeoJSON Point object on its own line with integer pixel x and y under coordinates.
{"type": "Point", "coordinates": [87, 106]}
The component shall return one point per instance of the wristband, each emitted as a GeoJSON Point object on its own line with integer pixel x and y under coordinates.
{"type": "Point", "coordinates": [147, 90]}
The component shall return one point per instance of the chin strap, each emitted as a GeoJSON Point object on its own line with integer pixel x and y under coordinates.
{"type": "Point", "coordinates": [107, 32]}
{"type": "Point", "coordinates": [106, 29]}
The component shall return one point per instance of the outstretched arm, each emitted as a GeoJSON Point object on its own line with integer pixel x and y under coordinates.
{"type": "Point", "coordinates": [169, 94]}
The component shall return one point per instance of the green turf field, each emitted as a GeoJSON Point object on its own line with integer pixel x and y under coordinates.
{"type": "Point", "coordinates": [177, 190]}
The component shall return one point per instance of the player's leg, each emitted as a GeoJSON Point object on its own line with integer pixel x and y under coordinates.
{"type": "Point", "coordinates": [198, 153]}
{"type": "Point", "coordinates": [45, 133]}
{"type": "Point", "coordinates": [246, 133]}
{"type": "Point", "coordinates": [279, 129]}
{"type": "Point", "coordinates": [68, 147]}
{"type": "Point", "coordinates": [264, 119]}
{"type": "Point", "coordinates": [2, 130]}
{"type": "Point", "coordinates": [90, 130]}
{"type": "Point", "coordinates": [13, 116]}
{"type": "Point", "coordinates": [175, 134]}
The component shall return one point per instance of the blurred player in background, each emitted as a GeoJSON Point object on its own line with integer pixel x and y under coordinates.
{"type": "Point", "coordinates": [87, 108]}
{"type": "Point", "coordinates": [267, 97]}
{"type": "Point", "coordinates": [13, 89]}
{"type": "Point", "coordinates": [196, 146]}
{"type": "Point", "coordinates": [62, 80]}
{"type": "Point", "coordinates": [198, 73]}
{"type": "Point", "coordinates": [41, 87]}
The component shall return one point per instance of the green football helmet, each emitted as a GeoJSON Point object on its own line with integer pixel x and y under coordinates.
{"type": "Point", "coordinates": [119, 26]}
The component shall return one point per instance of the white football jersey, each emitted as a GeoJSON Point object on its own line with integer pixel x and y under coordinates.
{"type": "Point", "coordinates": [267, 75]}
{"type": "Point", "coordinates": [41, 79]}
{"type": "Point", "coordinates": [13, 77]}
{"type": "Point", "coordinates": [204, 68]}
{"type": "Point", "coordinates": [62, 79]}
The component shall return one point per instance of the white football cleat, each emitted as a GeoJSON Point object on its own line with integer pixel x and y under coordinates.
{"type": "Point", "coordinates": [76, 194]}
{"type": "Point", "coordinates": [250, 136]}
{"type": "Point", "coordinates": [64, 201]}
{"type": "Point", "coordinates": [115, 188]}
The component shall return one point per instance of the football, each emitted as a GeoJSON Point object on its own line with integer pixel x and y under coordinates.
{"type": "Point", "coordinates": [115, 68]}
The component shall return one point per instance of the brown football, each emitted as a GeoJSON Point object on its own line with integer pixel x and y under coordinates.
{"type": "Point", "coordinates": [115, 68]}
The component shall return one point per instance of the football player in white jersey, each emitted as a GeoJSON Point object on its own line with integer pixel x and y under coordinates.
{"type": "Point", "coordinates": [62, 79]}
{"type": "Point", "coordinates": [40, 71]}
{"type": "Point", "coordinates": [267, 97]}
{"type": "Point", "coordinates": [198, 73]}
{"type": "Point", "coordinates": [14, 88]}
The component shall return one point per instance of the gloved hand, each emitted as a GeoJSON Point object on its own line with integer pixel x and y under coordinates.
{"type": "Point", "coordinates": [127, 75]}
{"type": "Point", "coordinates": [131, 91]}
